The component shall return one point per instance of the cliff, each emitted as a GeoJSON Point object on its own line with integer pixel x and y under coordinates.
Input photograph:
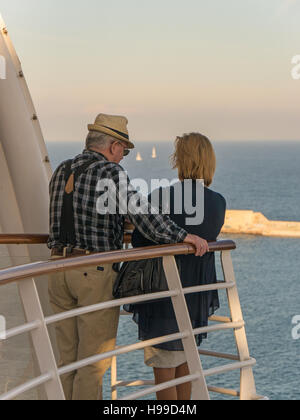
{"type": "Point", "coordinates": [251, 223]}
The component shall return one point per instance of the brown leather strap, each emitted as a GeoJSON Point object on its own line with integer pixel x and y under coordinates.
{"type": "Point", "coordinates": [70, 185]}
{"type": "Point", "coordinates": [67, 252]}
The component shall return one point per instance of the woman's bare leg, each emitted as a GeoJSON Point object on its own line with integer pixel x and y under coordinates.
{"type": "Point", "coordinates": [162, 376]}
{"type": "Point", "coordinates": [184, 391]}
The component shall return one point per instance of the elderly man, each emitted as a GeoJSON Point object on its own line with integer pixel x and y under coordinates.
{"type": "Point", "coordinates": [77, 227]}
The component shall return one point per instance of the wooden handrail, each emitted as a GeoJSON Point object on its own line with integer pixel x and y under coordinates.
{"type": "Point", "coordinates": [13, 274]}
{"type": "Point", "coordinates": [23, 239]}
{"type": "Point", "coordinates": [40, 239]}
{"type": "Point", "coordinates": [36, 239]}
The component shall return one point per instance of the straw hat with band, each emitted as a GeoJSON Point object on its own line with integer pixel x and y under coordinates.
{"type": "Point", "coordinates": [115, 126]}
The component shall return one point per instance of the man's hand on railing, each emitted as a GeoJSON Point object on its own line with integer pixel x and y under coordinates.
{"type": "Point", "coordinates": [200, 244]}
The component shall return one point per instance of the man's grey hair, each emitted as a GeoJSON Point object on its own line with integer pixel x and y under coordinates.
{"type": "Point", "coordinates": [100, 140]}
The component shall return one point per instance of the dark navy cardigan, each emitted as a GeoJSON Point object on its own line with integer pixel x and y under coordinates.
{"type": "Point", "coordinates": [158, 318]}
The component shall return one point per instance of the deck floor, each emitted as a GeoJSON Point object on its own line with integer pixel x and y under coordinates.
{"type": "Point", "coordinates": [16, 365]}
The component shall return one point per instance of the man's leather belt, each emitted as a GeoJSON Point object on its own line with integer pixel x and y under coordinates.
{"type": "Point", "coordinates": [69, 252]}
{"type": "Point", "coordinates": [73, 252]}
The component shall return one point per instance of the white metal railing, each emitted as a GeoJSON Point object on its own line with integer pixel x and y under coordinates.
{"type": "Point", "coordinates": [37, 325]}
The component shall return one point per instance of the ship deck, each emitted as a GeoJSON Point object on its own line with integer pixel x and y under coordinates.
{"type": "Point", "coordinates": [16, 364]}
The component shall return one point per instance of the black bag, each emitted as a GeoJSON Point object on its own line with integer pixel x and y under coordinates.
{"type": "Point", "coordinates": [139, 278]}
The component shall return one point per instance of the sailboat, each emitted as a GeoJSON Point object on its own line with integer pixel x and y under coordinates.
{"type": "Point", "coordinates": [154, 153]}
{"type": "Point", "coordinates": [139, 157]}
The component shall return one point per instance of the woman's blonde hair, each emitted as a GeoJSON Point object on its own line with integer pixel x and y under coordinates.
{"type": "Point", "coordinates": [194, 158]}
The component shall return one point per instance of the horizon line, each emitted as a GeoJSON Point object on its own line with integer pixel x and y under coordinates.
{"type": "Point", "coordinates": [169, 141]}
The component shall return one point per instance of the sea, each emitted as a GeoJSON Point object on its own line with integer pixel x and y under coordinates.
{"type": "Point", "coordinates": [264, 177]}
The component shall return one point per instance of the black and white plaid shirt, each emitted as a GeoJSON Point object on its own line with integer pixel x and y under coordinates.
{"type": "Point", "coordinates": [103, 232]}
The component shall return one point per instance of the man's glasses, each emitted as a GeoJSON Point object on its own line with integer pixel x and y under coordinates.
{"type": "Point", "coordinates": [126, 151]}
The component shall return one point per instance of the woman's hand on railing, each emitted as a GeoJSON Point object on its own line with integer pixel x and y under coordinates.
{"type": "Point", "coordinates": [200, 244]}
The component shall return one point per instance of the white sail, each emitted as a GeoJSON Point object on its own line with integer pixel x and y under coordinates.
{"type": "Point", "coordinates": [154, 153]}
{"type": "Point", "coordinates": [139, 157]}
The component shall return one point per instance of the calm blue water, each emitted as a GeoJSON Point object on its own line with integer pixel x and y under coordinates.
{"type": "Point", "coordinates": [262, 177]}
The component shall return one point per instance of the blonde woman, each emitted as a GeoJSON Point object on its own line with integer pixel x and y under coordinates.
{"type": "Point", "coordinates": [194, 159]}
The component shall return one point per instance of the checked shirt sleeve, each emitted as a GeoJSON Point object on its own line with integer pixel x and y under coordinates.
{"type": "Point", "coordinates": [154, 226]}
{"type": "Point", "coordinates": [56, 191]}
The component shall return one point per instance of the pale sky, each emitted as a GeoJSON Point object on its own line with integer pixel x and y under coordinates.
{"type": "Point", "coordinates": [220, 67]}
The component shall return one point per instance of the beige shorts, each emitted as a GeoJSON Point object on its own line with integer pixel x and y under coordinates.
{"type": "Point", "coordinates": [164, 359]}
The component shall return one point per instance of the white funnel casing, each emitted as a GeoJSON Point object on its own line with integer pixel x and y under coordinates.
{"type": "Point", "coordinates": [27, 166]}
{"type": "Point", "coordinates": [25, 169]}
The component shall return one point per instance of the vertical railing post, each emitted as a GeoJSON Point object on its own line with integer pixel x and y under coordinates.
{"type": "Point", "coordinates": [114, 378]}
{"type": "Point", "coordinates": [200, 391]}
{"type": "Point", "coordinates": [248, 389]}
{"type": "Point", "coordinates": [40, 338]}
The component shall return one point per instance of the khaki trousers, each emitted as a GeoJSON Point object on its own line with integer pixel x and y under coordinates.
{"type": "Point", "coordinates": [87, 335]}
